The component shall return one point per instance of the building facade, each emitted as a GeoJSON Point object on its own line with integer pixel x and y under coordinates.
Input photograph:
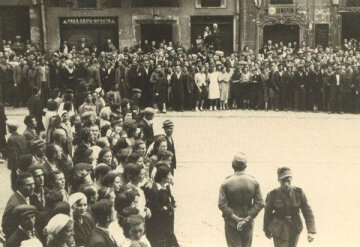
{"type": "Point", "coordinates": [128, 22]}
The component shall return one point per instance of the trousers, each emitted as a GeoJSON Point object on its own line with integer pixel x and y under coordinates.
{"type": "Point", "coordinates": [291, 242]}
{"type": "Point", "coordinates": [235, 238]}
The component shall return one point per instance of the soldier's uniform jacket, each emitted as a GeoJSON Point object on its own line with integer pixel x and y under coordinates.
{"type": "Point", "coordinates": [282, 212]}
{"type": "Point", "coordinates": [240, 194]}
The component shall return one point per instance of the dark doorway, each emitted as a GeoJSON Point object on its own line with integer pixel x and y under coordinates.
{"type": "Point", "coordinates": [280, 32]}
{"type": "Point", "coordinates": [156, 32]}
{"type": "Point", "coordinates": [14, 21]}
{"type": "Point", "coordinates": [225, 25]}
{"type": "Point", "coordinates": [350, 26]}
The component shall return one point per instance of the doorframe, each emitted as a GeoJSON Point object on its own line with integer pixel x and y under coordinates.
{"type": "Point", "coordinates": [137, 21]}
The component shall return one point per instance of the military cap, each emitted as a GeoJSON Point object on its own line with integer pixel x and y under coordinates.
{"type": "Point", "coordinates": [83, 166]}
{"type": "Point", "coordinates": [284, 172]}
{"type": "Point", "coordinates": [24, 210]}
{"type": "Point", "coordinates": [168, 124]}
{"type": "Point", "coordinates": [240, 157]}
{"type": "Point", "coordinates": [12, 123]}
{"type": "Point", "coordinates": [136, 90]}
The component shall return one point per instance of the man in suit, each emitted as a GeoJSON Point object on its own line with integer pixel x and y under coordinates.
{"type": "Point", "coordinates": [43, 79]}
{"type": "Point", "coordinates": [101, 237]}
{"type": "Point", "coordinates": [107, 76]}
{"type": "Point", "coordinates": [83, 45]}
{"type": "Point", "coordinates": [336, 91]}
{"type": "Point", "coordinates": [30, 131]}
{"type": "Point", "coordinates": [240, 201]}
{"type": "Point", "coordinates": [283, 87]}
{"type": "Point", "coordinates": [299, 86]}
{"type": "Point", "coordinates": [25, 215]}
{"type": "Point", "coordinates": [146, 125]}
{"type": "Point", "coordinates": [178, 83]}
{"type": "Point", "coordinates": [20, 77]}
{"type": "Point", "coordinates": [36, 109]}
{"type": "Point", "coordinates": [274, 87]}
{"type": "Point", "coordinates": [168, 127]}
{"type": "Point", "coordinates": [17, 145]}
{"type": "Point", "coordinates": [25, 183]}
{"type": "Point", "coordinates": [37, 199]}
{"type": "Point", "coordinates": [146, 97]}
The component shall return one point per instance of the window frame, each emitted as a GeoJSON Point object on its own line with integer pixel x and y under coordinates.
{"type": "Point", "coordinates": [133, 5]}
{"type": "Point", "coordinates": [223, 5]}
{"type": "Point", "coordinates": [292, 2]}
{"type": "Point", "coordinates": [76, 5]}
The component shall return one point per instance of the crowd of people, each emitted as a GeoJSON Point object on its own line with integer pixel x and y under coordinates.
{"type": "Point", "coordinates": [168, 76]}
{"type": "Point", "coordinates": [90, 176]}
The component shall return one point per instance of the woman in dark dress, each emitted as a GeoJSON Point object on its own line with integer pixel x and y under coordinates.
{"type": "Point", "coordinates": [160, 227]}
{"type": "Point", "coordinates": [83, 223]}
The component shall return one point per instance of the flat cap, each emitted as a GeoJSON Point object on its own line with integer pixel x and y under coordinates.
{"type": "Point", "coordinates": [136, 90]}
{"type": "Point", "coordinates": [149, 111]}
{"type": "Point", "coordinates": [83, 166]}
{"type": "Point", "coordinates": [24, 210]}
{"type": "Point", "coordinates": [102, 207]}
{"type": "Point", "coordinates": [284, 172]}
{"type": "Point", "coordinates": [37, 143]}
{"type": "Point", "coordinates": [168, 124]}
{"type": "Point", "coordinates": [87, 114]}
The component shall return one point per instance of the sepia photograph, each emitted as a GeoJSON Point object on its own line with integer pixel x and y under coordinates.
{"type": "Point", "coordinates": [179, 123]}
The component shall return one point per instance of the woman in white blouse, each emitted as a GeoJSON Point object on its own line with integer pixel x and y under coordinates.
{"type": "Point", "coordinates": [214, 90]}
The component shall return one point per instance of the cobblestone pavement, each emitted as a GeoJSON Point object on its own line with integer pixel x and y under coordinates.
{"type": "Point", "coordinates": [322, 149]}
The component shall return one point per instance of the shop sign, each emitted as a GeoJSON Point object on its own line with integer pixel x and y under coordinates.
{"type": "Point", "coordinates": [88, 21]}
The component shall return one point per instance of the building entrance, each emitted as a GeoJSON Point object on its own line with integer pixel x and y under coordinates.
{"type": "Point", "coordinates": [156, 32]}
{"type": "Point", "coordinates": [14, 21]}
{"type": "Point", "coordinates": [96, 31]}
{"type": "Point", "coordinates": [350, 26]}
{"type": "Point", "coordinates": [281, 32]}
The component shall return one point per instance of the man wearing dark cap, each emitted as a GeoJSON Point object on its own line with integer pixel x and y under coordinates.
{"type": "Point", "coordinates": [30, 131]}
{"type": "Point", "coordinates": [168, 127]}
{"type": "Point", "coordinates": [135, 100]}
{"type": "Point", "coordinates": [282, 220]}
{"type": "Point", "coordinates": [37, 148]}
{"type": "Point", "coordinates": [25, 214]}
{"type": "Point", "coordinates": [146, 125]}
{"type": "Point", "coordinates": [336, 91]}
{"type": "Point", "coordinates": [25, 184]}
{"type": "Point", "coordinates": [101, 236]}
{"type": "Point", "coordinates": [240, 201]}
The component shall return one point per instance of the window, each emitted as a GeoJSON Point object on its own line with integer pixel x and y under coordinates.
{"type": "Point", "coordinates": [281, 1]}
{"type": "Point", "coordinates": [210, 3]}
{"type": "Point", "coordinates": [353, 3]}
{"type": "Point", "coordinates": [59, 3]}
{"type": "Point", "coordinates": [86, 3]}
{"type": "Point", "coordinates": [155, 3]}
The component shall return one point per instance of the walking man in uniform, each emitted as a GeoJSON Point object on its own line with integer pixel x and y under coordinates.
{"type": "Point", "coordinates": [240, 201]}
{"type": "Point", "coordinates": [282, 220]}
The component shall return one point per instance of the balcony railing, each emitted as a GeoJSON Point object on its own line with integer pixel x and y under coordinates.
{"type": "Point", "coordinates": [282, 9]}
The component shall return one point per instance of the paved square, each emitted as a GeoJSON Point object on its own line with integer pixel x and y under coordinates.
{"type": "Point", "coordinates": [322, 150]}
